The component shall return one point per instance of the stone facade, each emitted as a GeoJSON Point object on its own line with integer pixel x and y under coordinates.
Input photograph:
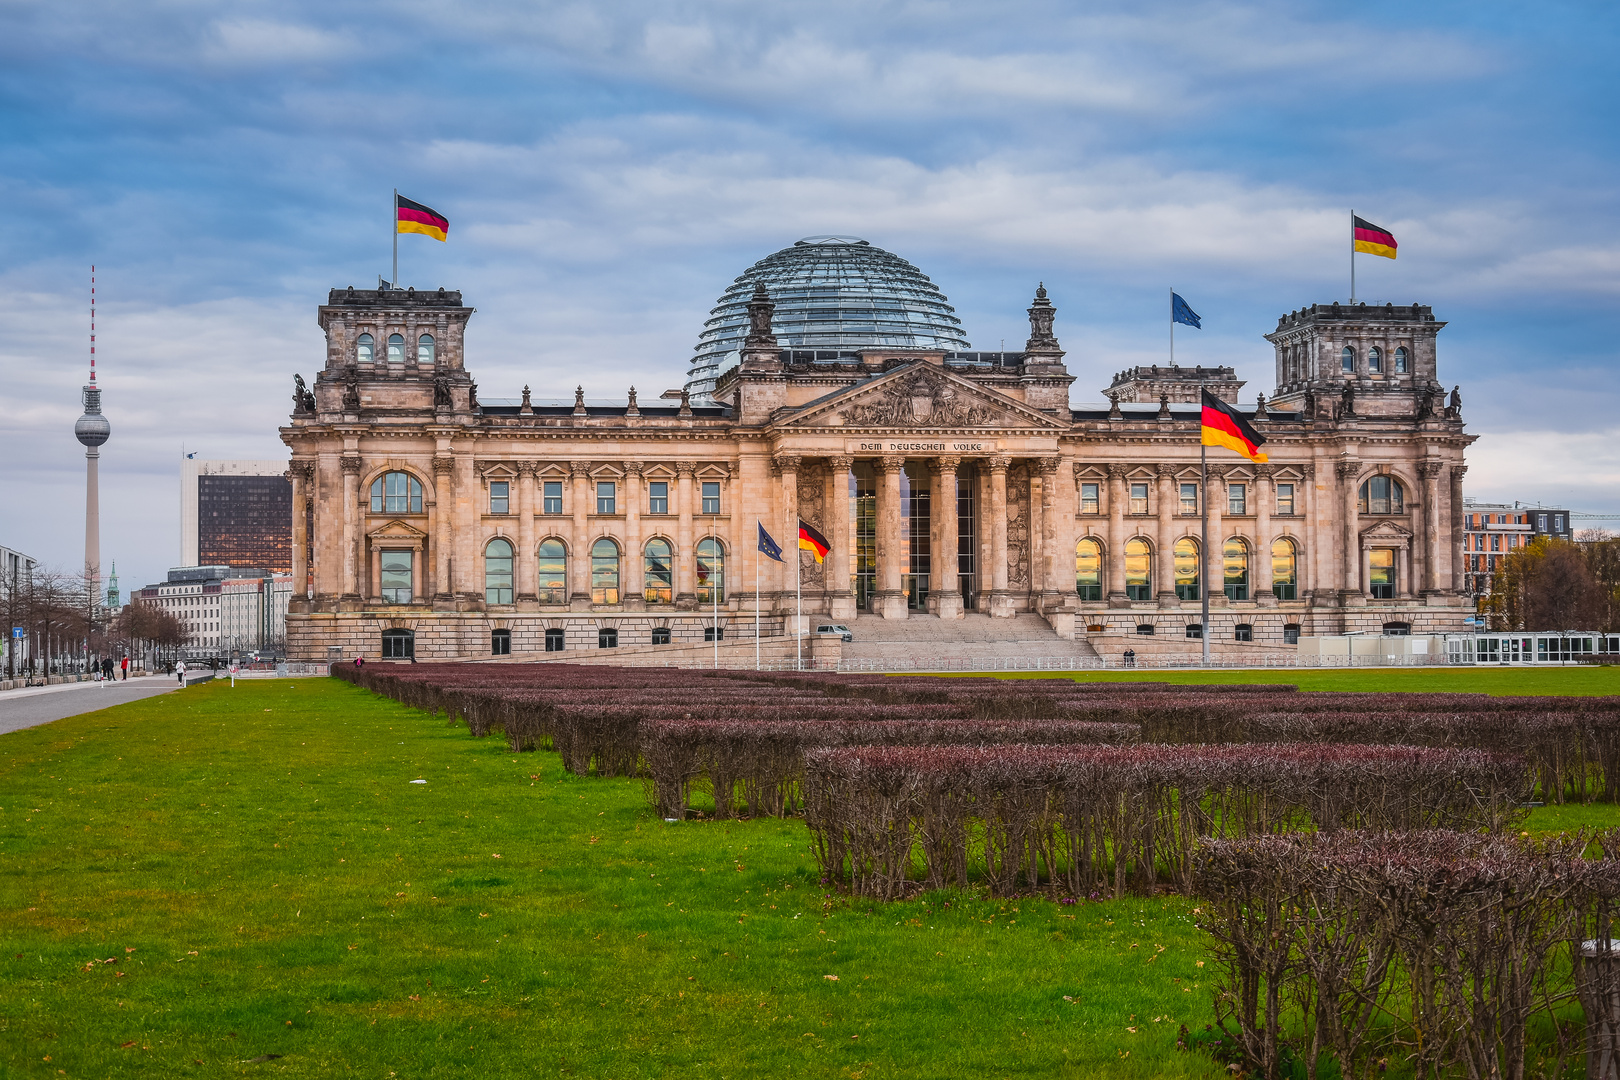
{"type": "Point", "coordinates": [409, 493]}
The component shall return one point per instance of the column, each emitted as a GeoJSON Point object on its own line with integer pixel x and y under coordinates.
{"type": "Point", "coordinates": [1260, 567]}
{"type": "Point", "coordinates": [1430, 471]}
{"type": "Point", "coordinates": [686, 557]}
{"type": "Point", "coordinates": [1164, 565]}
{"type": "Point", "coordinates": [997, 515]}
{"type": "Point", "coordinates": [1312, 537]}
{"type": "Point", "coordinates": [1214, 571]}
{"type": "Point", "coordinates": [1453, 519]}
{"type": "Point", "coordinates": [301, 473]}
{"type": "Point", "coordinates": [351, 525]}
{"type": "Point", "coordinates": [469, 558]}
{"type": "Point", "coordinates": [1352, 576]}
{"type": "Point", "coordinates": [374, 578]}
{"type": "Point", "coordinates": [1114, 575]}
{"type": "Point", "coordinates": [443, 513]}
{"type": "Point", "coordinates": [527, 568]}
{"type": "Point", "coordinates": [417, 571]}
{"type": "Point", "coordinates": [1403, 571]}
{"type": "Point", "coordinates": [839, 568]}
{"type": "Point", "coordinates": [787, 469]}
{"type": "Point", "coordinates": [579, 543]}
{"type": "Point", "coordinates": [631, 500]}
{"type": "Point", "coordinates": [944, 586]}
{"type": "Point", "coordinates": [1045, 575]}
{"type": "Point", "coordinates": [891, 600]}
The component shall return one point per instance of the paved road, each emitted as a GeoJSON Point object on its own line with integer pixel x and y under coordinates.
{"type": "Point", "coordinates": [42, 704]}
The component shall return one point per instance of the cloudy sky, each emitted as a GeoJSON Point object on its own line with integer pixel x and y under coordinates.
{"type": "Point", "coordinates": [609, 168]}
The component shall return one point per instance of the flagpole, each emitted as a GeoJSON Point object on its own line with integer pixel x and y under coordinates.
{"type": "Point", "coordinates": [1352, 255]}
{"type": "Point", "coordinates": [395, 231]}
{"type": "Point", "coordinates": [714, 590]}
{"type": "Point", "coordinates": [1203, 471]}
{"type": "Point", "coordinates": [1172, 326]}
{"type": "Point", "coordinates": [798, 597]}
{"type": "Point", "coordinates": [758, 528]}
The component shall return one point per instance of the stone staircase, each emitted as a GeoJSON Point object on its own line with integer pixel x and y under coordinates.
{"type": "Point", "coordinates": [924, 640]}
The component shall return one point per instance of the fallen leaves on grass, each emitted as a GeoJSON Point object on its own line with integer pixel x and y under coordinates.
{"type": "Point", "coordinates": [830, 978]}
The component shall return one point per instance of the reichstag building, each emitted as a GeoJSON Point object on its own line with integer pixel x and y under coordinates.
{"type": "Point", "coordinates": [833, 383]}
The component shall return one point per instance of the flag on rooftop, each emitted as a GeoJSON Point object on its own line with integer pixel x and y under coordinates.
{"type": "Point", "coordinates": [1372, 239]}
{"type": "Point", "coordinates": [414, 217]}
{"type": "Point", "coordinates": [1181, 313]}
{"type": "Point", "coordinates": [812, 541]}
{"type": "Point", "coordinates": [1224, 426]}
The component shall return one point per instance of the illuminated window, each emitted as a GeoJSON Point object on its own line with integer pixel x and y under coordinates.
{"type": "Point", "coordinates": [605, 573]}
{"type": "Point", "coordinates": [1088, 569]}
{"type": "Point", "coordinates": [1381, 573]}
{"type": "Point", "coordinates": [1235, 556]}
{"type": "Point", "coordinates": [553, 573]}
{"type": "Point", "coordinates": [1284, 570]}
{"type": "Point", "coordinates": [711, 572]}
{"type": "Point", "coordinates": [658, 577]}
{"type": "Point", "coordinates": [1186, 569]}
{"type": "Point", "coordinates": [1138, 570]}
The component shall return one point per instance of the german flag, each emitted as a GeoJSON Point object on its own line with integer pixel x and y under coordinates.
{"type": "Point", "coordinates": [1373, 240]}
{"type": "Point", "coordinates": [414, 217]}
{"type": "Point", "coordinates": [1225, 426]}
{"type": "Point", "coordinates": [812, 541]}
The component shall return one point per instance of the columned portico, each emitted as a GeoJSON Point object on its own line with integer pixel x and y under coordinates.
{"type": "Point", "coordinates": [944, 584]}
{"type": "Point", "coordinates": [891, 598]}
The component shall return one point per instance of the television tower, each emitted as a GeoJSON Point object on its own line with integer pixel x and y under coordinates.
{"type": "Point", "coordinates": [92, 429]}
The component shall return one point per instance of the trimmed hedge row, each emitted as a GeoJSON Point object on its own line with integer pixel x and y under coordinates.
{"type": "Point", "coordinates": [1097, 819]}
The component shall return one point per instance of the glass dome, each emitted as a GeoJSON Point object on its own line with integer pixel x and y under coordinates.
{"type": "Point", "coordinates": [833, 294]}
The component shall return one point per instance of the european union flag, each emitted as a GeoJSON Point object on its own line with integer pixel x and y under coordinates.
{"type": "Point", "coordinates": [1181, 313]}
{"type": "Point", "coordinates": [770, 548]}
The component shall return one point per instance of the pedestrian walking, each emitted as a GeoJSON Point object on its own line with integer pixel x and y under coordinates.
{"type": "Point", "coordinates": [125, 666]}
{"type": "Point", "coordinates": [180, 672]}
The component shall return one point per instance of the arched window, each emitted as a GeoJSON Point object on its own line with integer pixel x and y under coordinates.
{"type": "Point", "coordinates": [1402, 363]}
{"type": "Point", "coordinates": [659, 573]}
{"type": "Point", "coordinates": [498, 572]}
{"type": "Point", "coordinates": [1347, 360]}
{"type": "Point", "coordinates": [1088, 569]}
{"type": "Point", "coordinates": [553, 572]}
{"type": "Point", "coordinates": [396, 349]}
{"type": "Point", "coordinates": [1284, 570]}
{"type": "Point", "coordinates": [1375, 359]}
{"type": "Point", "coordinates": [604, 572]}
{"type": "Point", "coordinates": [711, 572]}
{"type": "Point", "coordinates": [398, 644]}
{"type": "Point", "coordinates": [1187, 569]}
{"type": "Point", "coordinates": [424, 349]}
{"type": "Point", "coordinates": [396, 493]}
{"type": "Point", "coordinates": [365, 350]}
{"type": "Point", "coordinates": [1235, 555]}
{"type": "Point", "coordinates": [1138, 570]}
{"type": "Point", "coordinates": [1382, 495]}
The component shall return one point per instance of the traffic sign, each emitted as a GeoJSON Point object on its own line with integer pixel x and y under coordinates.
{"type": "Point", "coordinates": [16, 631]}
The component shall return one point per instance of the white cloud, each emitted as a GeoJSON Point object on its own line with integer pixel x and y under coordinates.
{"type": "Point", "coordinates": [263, 42]}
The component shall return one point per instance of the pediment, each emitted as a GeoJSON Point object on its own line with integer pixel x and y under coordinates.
{"type": "Point", "coordinates": [1387, 531]}
{"type": "Point", "coordinates": [918, 396]}
{"type": "Point", "coordinates": [399, 531]}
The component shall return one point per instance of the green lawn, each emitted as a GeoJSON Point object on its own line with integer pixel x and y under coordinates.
{"type": "Point", "coordinates": [266, 880]}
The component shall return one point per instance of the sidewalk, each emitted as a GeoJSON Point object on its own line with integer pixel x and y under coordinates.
{"type": "Point", "coordinates": [35, 705]}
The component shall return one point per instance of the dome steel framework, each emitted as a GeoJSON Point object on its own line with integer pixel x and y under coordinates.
{"type": "Point", "coordinates": [833, 295]}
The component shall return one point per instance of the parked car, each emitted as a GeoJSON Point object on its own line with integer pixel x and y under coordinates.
{"type": "Point", "coordinates": [838, 630]}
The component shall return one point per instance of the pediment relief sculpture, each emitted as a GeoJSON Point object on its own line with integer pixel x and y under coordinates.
{"type": "Point", "coordinates": [399, 531]}
{"type": "Point", "coordinates": [1387, 531]}
{"type": "Point", "coordinates": [924, 397]}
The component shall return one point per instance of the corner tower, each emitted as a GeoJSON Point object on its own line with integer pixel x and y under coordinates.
{"type": "Point", "coordinates": [1380, 359]}
{"type": "Point", "coordinates": [389, 350]}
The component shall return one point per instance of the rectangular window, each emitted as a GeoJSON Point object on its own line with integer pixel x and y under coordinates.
{"type": "Point", "coordinates": [1089, 503]}
{"type": "Point", "coordinates": [714, 633]}
{"type": "Point", "coordinates": [396, 576]}
{"type": "Point", "coordinates": [1381, 573]}
{"type": "Point", "coordinates": [500, 496]}
{"type": "Point", "coordinates": [1285, 498]}
{"type": "Point", "coordinates": [1139, 498]}
{"type": "Point", "coordinates": [554, 640]}
{"type": "Point", "coordinates": [658, 497]}
{"type": "Point", "coordinates": [1496, 542]}
{"type": "Point", "coordinates": [551, 497]}
{"type": "Point", "coordinates": [660, 635]}
{"type": "Point", "coordinates": [1237, 498]}
{"type": "Point", "coordinates": [606, 497]}
{"type": "Point", "coordinates": [500, 643]}
{"type": "Point", "coordinates": [711, 496]}
{"type": "Point", "coordinates": [1189, 499]}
